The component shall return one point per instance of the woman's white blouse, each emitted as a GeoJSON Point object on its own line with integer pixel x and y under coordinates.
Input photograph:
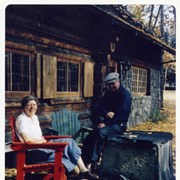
{"type": "Point", "coordinates": [28, 125]}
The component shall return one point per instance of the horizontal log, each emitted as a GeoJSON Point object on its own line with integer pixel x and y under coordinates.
{"type": "Point", "coordinates": [54, 52]}
{"type": "Point", "coordinates": [50, 42]}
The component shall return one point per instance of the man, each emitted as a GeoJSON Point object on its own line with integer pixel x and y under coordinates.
{"type": "Point", "coordinates": [113, 110]}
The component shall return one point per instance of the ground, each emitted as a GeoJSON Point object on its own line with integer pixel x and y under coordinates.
{"type": "Point", "coordinates": [166, 125]}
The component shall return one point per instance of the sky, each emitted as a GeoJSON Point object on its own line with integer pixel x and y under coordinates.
{"type": "Point", "coordinates": [5, 3]}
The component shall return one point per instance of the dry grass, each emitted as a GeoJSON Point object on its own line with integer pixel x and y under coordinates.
{"type": "Point", "coordinates": [166, 125]}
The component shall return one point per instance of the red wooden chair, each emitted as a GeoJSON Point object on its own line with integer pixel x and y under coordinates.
{"type": "Point", "coordinates": [21, 148]}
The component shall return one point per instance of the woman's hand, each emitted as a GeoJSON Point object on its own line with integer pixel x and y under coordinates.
{"type": "Point", "coordinates": [43, 140]}
{"type": "Point", "coordinates": [29, 139]}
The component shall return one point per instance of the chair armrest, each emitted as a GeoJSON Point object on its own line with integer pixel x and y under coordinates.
{"type": "Point", "coordinates": [19, 146]}
{"type": "Point", "coordinates": [82, 133]}
{"type": "Point", "coordinates": [56, 137]}
{"type": "Point", "coordinates": [86, 129]}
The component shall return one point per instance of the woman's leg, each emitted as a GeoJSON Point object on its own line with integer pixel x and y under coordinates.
{"type": "Point", "coordinates": [84, 172]}
{"type": "Point", "coordinates": [76, 170]}
{"type": "Point", "coordinates": [81, 165]}
{"type": "Point", "coordinates": [71, 153]}
{"type": "Point", "coordinates": [73, 161]}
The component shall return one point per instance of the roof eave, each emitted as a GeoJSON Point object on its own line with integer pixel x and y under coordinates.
{"type": "Point", "coordinates": [148, 36]}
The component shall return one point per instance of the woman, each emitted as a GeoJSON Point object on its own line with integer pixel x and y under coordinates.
{"type": "Point", "coordinates": [28, 130]}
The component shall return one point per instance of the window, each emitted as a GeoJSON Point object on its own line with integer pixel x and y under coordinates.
{"type": "Point", "coordinates": [62, 78]}
{"type": "Point", "coordinates": [139, 81]}
{"type": "Point", "coordinates": [17, 74]}
{"type": "Point", "coordinates": [68, 76]}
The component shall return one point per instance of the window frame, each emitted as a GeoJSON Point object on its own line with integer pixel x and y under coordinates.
{"type": "Point", "coordinates": [138, 93]}
{"type": "Point", "coordinates": [20, 94]}
{"type": "Point", "coordinates": [67, 93]}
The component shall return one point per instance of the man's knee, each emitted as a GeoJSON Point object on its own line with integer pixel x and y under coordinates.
{"type": "Point", "coordinates": [102, 132]}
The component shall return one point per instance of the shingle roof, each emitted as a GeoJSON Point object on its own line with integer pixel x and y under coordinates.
{"type": "Point", "coordinates": [121, 15]}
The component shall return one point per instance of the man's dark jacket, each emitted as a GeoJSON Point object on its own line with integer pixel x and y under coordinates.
{"type": "Point", "coordinates": [118, 102]}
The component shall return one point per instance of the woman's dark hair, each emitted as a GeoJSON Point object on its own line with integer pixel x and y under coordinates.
{"type": "Point", "coordinates": [27, 99]}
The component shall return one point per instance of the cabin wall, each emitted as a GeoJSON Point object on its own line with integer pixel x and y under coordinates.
{"type": "Point", "coordinates": [143, 106]}
{"type": "Point", "coordinates": [46, 45]}
{"type": "Point", "coordinates": [92, 40]}
{"type": "Point", "coordinates": [131, 50]}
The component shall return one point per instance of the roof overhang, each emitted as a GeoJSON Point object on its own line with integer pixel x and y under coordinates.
{"type": "Point", "coordinates": [139, 31]}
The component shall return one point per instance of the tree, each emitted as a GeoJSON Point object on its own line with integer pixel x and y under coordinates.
{"type": "Point", "coordinates": [160, 19]}
{"type": "Point", "coordinates": [169, 74]}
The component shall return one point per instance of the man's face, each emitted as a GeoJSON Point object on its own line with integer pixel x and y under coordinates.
{"type": "Point", "coordinates": [30, 108]}
{"type": "Point", "coordinates": [113, 86]}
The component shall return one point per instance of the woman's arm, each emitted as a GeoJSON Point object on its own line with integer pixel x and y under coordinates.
{"type": "Point", "coordinates": [29, 139]}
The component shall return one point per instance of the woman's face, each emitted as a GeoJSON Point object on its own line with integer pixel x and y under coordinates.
{"type": "Point", "coordinates": [30, 108]}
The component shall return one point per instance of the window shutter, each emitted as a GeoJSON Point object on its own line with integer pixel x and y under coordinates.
{"type": "Point", "coordinates": [88, 79]}
{"type": "Point", "coordinates": [49, 77]}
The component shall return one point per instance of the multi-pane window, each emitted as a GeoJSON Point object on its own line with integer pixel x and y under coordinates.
{"type": "Point", "coordinates": [67, 76]}
{"type": "Point", "coordinates": [139, 81]}
{"type": "Point", "coordinates": [17, 68]}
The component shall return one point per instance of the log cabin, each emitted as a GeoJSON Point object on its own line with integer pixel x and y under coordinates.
{"type": "Point", "coordinates": [61, 53]}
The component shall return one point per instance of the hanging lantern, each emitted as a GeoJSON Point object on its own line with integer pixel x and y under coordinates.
{"type": "Point", "coordinates": [112, 46]}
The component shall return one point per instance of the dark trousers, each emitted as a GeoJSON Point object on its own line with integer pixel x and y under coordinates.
{"type": "Point", "coordinates": [93, 144]}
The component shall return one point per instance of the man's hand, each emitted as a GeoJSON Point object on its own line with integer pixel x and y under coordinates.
{"type": "Point", "coordinates": [101, 125]}
{"type": "Point", "coordinates": [110, 115]}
